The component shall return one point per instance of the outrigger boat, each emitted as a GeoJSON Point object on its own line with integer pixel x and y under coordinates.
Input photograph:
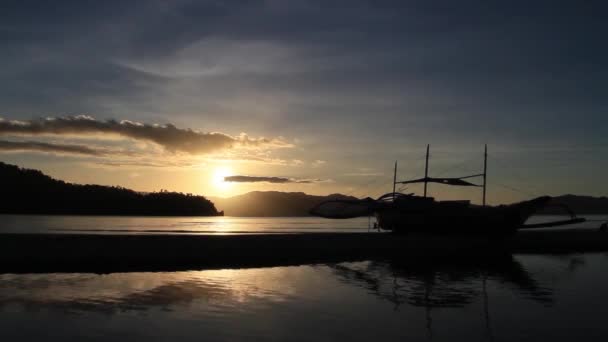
{"type": "Point", "coordinates": [402, 213]}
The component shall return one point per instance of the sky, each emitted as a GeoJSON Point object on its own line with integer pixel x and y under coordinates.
{"type": "Point", "coordinates": [313, 96]}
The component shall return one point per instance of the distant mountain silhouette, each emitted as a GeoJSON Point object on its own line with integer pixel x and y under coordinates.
{"type": "Point", "coordinates": [26, 191]}
{"type": "Point", "coordinates": [578, 204]}
{"type": "Point", "coordinates": [272, 203]}
{"type": "Point", "coordinates": [276, 203]}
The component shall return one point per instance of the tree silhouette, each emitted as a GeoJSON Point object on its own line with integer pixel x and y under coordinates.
{"type": "Point", "coordinates": [27, 191]}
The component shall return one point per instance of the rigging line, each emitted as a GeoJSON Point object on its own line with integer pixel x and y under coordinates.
{"type": "Point", "coordinates": [537, 191]}
{"type": "Point", "coordinates": [373, 182]}
{"type": "Point", "coordinates": [375, 192]}
{"type": "Point", "coordinates": [364, 188]}
{"type": "Point", "coordinates": [516, 189]}
{"type": "Point", "coordinates": [471, 176]}
{"type": "Point", "coordinates": [459, 166]}
{"type": "Point", "coordinates": [354, 190]}
{"type": "Point", "coordinates": [416, 161]}
{"type": "Point", "coordinates": [379, 181]}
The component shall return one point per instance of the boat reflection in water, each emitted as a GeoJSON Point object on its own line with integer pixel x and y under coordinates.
{"type": "Point", "coordinates": [382, 299]}
{"type": "Point", "coordinates": [453, 284]}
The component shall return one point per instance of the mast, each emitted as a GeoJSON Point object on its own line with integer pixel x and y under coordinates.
{"type": "Point", "coordinates": [485, 167]}
{"type": "Point", "coordinates": [426, 169]}
{"type": "Point", "coordinates": [394, 180]}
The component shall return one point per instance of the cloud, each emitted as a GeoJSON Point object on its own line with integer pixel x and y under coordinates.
{"type": "Point", "coordinates": [364, 174]}
{"type": "Point", "coordinates": [36, 146]}
{"type": "Point", "coordinates": [168, 136]}
{"type": "Point", "coordinates": [276, 180]}
{"type": "Point", "coordinates": [318, 163]}
{"type": "Point", "coordinates": [144, 163]}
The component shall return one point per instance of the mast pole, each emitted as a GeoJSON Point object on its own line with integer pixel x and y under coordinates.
{"type": "Point", "coordinates": [394, 181]}
{"type": "Point", "coordinates": [485, 168]}
{"type": "Point", "coordinates": [426, 169]}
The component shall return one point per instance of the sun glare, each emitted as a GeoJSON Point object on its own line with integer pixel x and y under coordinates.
{"type": "Point", "coordinates": [218, 178]}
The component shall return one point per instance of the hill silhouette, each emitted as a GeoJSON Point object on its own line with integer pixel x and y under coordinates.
{"type": "Point", "coordinates": [276, 203]}
{"type": "Point", "coordinates": [579, 204]}
{"type": "Point", "coordinates": [27, 191]}
{"type": "Point", "coordinates": [272, 203]}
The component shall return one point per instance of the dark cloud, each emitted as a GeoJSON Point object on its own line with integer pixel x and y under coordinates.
{"type": "Point", "coordinates": [168, 136]}
{"type": "Point", "coordinates": [36, 146]}
{"type": "Point", "coordinates": [470, 61]}
{"type": "Point", "coordinates": [145, 163]}
{"type": "Point", "coordinates": [276, 180]}
{"type": "Point", "coordinates": [386, 75]}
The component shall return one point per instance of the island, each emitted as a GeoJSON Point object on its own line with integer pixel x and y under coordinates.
{"type": "Point", "coordinates": [28, 191]}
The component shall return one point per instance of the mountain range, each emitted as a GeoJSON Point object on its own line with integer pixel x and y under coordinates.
{"type": "Point", "coordinates": [579, 204]}
{"type": "Point", "coordinates": [274, 203]}
{"type": "Point", "coordinates": [27, 191]}
{"type": "Point", "coordinates": [271, 203]}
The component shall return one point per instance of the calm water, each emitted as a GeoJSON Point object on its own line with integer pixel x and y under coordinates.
{"type": "Point", "coordinates": [518, 298]}
{"type": "Point", "coordinates": [508, 298]}
{"type": "Point", "coordinates": [193, 225]}
{"type": "Point", "coordinates": [174, 225]}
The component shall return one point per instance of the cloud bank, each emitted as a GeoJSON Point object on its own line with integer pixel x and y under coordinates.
{"type": "Point", "coordinates": [168, 136]}
{"type": "Point", "coordinates": [37, 146]}
{"type": "Point", "coordinates": [275, 180]}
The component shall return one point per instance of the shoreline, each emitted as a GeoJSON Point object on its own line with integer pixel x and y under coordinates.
{"type": "Point", "coordinates": [107, 253]}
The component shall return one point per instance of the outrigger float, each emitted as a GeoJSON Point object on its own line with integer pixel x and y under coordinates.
{"type": "Point", "coordinates": [404, 213]}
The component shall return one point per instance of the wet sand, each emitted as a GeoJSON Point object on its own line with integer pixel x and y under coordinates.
{"type": "Point", "coordinates": [25, 253]}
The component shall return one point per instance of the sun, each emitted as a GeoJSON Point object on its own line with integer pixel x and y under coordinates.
{"type": "Point", "coordinates": [217, 179]}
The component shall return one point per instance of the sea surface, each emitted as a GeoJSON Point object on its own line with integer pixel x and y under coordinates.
{"type": "Point", "coordinates": [176, 225]}
{"type": "Point", "coordinates": [521, 297]}
{"type": "Point", "coordinates": [200, 225]}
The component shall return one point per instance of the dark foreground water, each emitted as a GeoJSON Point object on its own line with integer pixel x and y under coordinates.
{"type": "Point", "coordinates": [514, 298]}
{"type": "Point", "coordinates": [506, 298]}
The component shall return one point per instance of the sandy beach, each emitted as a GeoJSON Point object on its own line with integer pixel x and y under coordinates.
{"type": "Point", "coordinates": [23, 253]}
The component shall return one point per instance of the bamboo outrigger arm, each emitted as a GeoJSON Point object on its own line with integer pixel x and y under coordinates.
{"type": "Point", "coordinates": [554, 223]}
{"type": "Point", "coordinates": [572, 220]}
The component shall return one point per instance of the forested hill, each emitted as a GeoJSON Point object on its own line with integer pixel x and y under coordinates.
{"type": "Point", "coordinates": [272, 203]}
{"type": "Point", "coordinates": [26, 191]}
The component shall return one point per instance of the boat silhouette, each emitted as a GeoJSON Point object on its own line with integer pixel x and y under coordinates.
{"type": "Point", "coordinates": [402, 213]}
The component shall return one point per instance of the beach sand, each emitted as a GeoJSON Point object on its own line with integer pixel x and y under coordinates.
{"type": "Point", "coordinates": [29, 253]}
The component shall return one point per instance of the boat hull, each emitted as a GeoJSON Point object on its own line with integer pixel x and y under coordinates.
{"type": "Point", "coordinates": [427, 215]}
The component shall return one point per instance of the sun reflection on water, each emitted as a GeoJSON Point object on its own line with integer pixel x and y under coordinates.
{"type": "Point", "coordinates": [383, 300]}
{"type": "Point", "coordinates": [133, 291]}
